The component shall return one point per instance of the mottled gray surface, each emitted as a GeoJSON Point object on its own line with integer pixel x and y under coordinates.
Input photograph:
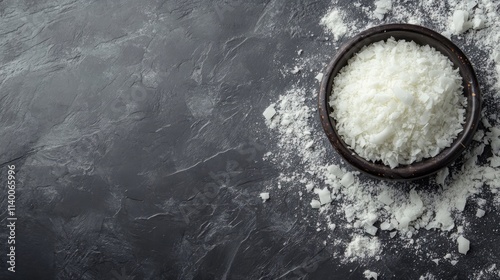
{"type": "Point", "coordinates": [137, 135]}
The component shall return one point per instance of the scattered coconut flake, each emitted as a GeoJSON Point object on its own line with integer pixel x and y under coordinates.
{"type": "Point", "coordinates": [481, 202]}
{"type": "Point", "coordinates": [463, 245]}
{"type": "Point", "coordinates": [296, 70]}
{"type": "Point", "coordinates": [372, 230]}
{"type": "Point", "coordinates": [264, 196]}
{"type": "Point", "coordinates": [309, 144]}
{"type": "Point", "coordinates": [315, 204]}
{"type": "Point", "coordinates": [269, 112]}
{"type": "Point", "coordinates": [319, 77]}
{"type": "Point", "coordinates": [427, 276]}
{"type": "Point", "coordinates": [347, 179]}
{"type": "Point", "coordinates": [324, 196]}
{"type": "Point", "coordinates": [381, 8]}
{"type": "Point", "coordinates": [460, 22]}
{"type": "Point", "coordinates": [443, 217]}
{"type": "Point", "coordinates": [480, 213]}
{"type": "Point", "coordinates": [436, 261]}
{"type": "Point", "coordinates": [334, 23]}
{"type": "Point", "coordinates": [410, 212]}
{"type": "Point", "coordinates": [362, 247]}
{"type": "Point", "coordinates": [370, 275]}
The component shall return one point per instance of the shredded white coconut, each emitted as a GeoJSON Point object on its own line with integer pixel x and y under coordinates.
{"type": "Point", "coordinates": [408, 106]}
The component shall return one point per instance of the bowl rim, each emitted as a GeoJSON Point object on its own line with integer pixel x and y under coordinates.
{"type": "Point", "coordinates": [425, 167]}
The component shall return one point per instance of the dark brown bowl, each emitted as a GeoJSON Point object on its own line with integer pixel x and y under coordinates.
{"type": "Point", "coordinates": [422, 36]}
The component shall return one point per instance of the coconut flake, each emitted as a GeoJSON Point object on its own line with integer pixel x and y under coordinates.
{"type": "Point", "coordinates": [370, 274]}
{"type": "Point", "coordinates": [315, 204]}
{"type": "Point", "coordinates": [264, 196]}
{"type": "Point", "coordinates": [362, 247]}
{"type": "Point", "coordinates": [319, 77]}
{"type": "Point", "coordinates": [480, 213]}
{"type": "Point", "coordinates": [441, 176]}
{"type": "Point", "coordinates": [460, 21]}
{"type": "Point", "coordinates": [347, 179]}
{"type": "Point", "coordinates": [463, 245]}
{"type": "Point", "coordinates": [334, 23]}
{"type": "Point", "coordinates": [394, 122]}
{"type": "Point", "coordinates": [269, 112]}
{"type": "Point", "coordinates": [372, 230]}
{"type": "Point", "coordinates": [324, 196]}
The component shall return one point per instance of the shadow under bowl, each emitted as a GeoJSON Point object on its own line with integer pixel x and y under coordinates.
{"type": "Point", "coordinates": [421, 36]}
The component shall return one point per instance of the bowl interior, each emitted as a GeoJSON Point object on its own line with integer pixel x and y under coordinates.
{"type": "Point", "coordinates": [421, 36]}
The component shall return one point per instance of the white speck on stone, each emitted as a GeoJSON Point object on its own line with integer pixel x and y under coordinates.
{"type": "Point", "coordinates": [460, 203]}
{"type": "Point", "coordinates": [479, 22]}
{"type": "Point", "coordinates": [386, 226]}
{"type": "Point", "coordinates": [385, 198]}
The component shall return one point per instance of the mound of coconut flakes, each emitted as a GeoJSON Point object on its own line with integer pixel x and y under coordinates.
{"type": "Point", "coordinates": [398, 102]}
{"type": "Point", "coordinates": [368, 208]}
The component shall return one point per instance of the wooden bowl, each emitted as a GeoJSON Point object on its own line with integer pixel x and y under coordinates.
{"type": "Point", "coordinates": [421, 36]}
